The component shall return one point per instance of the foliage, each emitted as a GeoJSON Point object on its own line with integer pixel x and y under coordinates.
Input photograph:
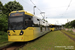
{"type": "Point", "coordinates": [70, 24]}
{"type": "Point", "coordinates": [12, 6]}
{"type": "Point", "coordinates": [3, 37]}
{"type": "Point", "coordinates": [73, 23]}
{"type": "Point", "coordinates": [1, 5]}
{"type": "Point", "coordinates": [3, 22]}
{"type": "Point", "coordinates": [6, 9]}
{"type": "Point", "coordinates": [68, 33]}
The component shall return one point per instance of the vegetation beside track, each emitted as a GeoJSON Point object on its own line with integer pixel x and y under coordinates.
{"type": "Point", "coordinates": [50, 41]}
{"type": "Point", "coordinates": [71, 34]}
{"type": "Point", "coordinates": [3, 39]}
{"type": "Point", "coordinates": [70, 31]}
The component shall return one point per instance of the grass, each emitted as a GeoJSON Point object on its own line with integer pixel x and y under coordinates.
{"type": "Point", "coordinates": [55, 40]}
{"type": "Point", "coordinates": [3, 37]}
{"type": "Point", "coordinates": [69, 33]}
{"type": "Point", "coordinates": [4, 44]}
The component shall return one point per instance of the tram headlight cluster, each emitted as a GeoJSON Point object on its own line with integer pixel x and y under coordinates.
{"type": "Point", "coordinates": [21, 33]}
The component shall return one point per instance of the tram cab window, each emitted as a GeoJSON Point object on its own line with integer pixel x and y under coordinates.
{"type": "Point", "coordinates": [38, 19]}
{"type": "Point", "coordinates": [51, 26]}
{"type": "Point", "coordinates": [43, 22]}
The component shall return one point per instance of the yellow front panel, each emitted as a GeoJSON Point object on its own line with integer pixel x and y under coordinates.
{"type": "Point", "coordinates": [52, 29]}
{"type": "Point", "coordinates": [27, 35]}
{"type": "Point", "coordinates": [12, 33]}
{"type": "Point", "coordinates": [15, 38]}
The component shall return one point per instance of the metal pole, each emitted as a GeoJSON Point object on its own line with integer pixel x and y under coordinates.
{"type": "Point", "coordinates": [46, 21]}
{"type": "Point", "coordinates": [34, 10]}
{"type": "Point", "coordinates": [43, 14]}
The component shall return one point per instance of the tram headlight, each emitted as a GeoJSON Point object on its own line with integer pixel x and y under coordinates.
{"type": "Point", "coordinates": [9, 33]}
{"type": "Point", "coordinates": [21, 33]}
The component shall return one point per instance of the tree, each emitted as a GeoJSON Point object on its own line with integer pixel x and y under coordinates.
{"type": "Point", "coordinates": [12, 6]}
{"type": "Point", "coordinates": [1, 5]}
{"type": "Point", "coordinates": [6, 9]}
{"type": "Point", "coordinates": [3, 19]}
{"type": "Point", "coordinates": [73, 23]}
{"type": "Point", "coordinates": [70, 24]}
{"type": "Point", "coordinates": [3, 22]}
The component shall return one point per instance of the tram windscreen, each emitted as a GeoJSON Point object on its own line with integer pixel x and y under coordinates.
{"type": "Point", "coordinates": [51, 26]}
{"type": "Point", "coordinates": [15, 23]}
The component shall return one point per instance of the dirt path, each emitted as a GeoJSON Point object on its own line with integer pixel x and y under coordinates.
{"type": "Point", "coordinates": [73, 30]}
{"type": "Point", "coordinates": [13, 46]}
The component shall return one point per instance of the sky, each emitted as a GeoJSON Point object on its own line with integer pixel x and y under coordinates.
{"type": "Point", "coordinates": [57, 11]}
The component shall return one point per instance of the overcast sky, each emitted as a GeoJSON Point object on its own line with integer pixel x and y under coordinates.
{"type": "Point", "coordinates": [55, 10]}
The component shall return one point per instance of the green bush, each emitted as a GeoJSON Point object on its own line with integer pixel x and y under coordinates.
{"type": "Point", "coordinates": [5, 10]}
{"type": "Point", "coordinates": [3, 37]}
{"type": "Point", "coordinates": [70, 27]}
{"type": "Point", "coordinates": [3, 22]}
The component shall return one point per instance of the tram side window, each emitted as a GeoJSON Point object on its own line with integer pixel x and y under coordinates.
{"type": "Point", "coordinates": [45, 28]}
{"type": "Point", "coordinates": [39, 21]}
{"type": "Point", "coordinates": [41, 28]}
{"type": "Point", "coordinates": [28, 22]}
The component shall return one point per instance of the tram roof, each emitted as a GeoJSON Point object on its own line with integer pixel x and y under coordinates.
{"type": "Point", "coordinates": [26, 12]}
{"type": "Point", "coordinates": [54, 25]}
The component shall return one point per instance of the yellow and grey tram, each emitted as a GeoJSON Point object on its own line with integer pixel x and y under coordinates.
{"type": "Point", "coordinates": [24, 26]}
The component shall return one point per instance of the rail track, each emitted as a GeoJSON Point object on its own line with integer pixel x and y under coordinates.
{"type": "Point", "coordinates": [13, 46]}
{"type": "Point", "coordinates": [17, 45]}
{"type": "Point", "coordinates": [69, 36]}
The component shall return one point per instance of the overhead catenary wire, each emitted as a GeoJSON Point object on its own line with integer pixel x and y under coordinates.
{"type": "Point", "coordinates": [38, 9]}
{"type": "Point", "coordinates": [67, 7]}
{"type": "Point", "coordinates": [35, 5]}
{"type": "Point", "coordinates": [26, 2]}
